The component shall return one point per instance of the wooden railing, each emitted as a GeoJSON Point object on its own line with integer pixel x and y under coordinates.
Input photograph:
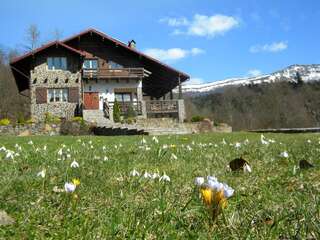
{"type": "Point", "coordinates": [115, 73]}
{"type": "Point", "coordinates": [124, 106]}
{"type": "Point", "coordinates": [162, 106]}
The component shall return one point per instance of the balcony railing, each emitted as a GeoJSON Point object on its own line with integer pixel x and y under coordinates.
{"type": "Point", "coordinates": [115, 73]}
{"type": "Point", "coordinates": [124, 107]}
{"type": "Point", "coordinates": [162, 106]}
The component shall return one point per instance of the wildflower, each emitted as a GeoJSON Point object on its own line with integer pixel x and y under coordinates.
{"type": "Point", "coordinates": [42, 173]}
{"type": "Point", "coordinates": [134, 173]}
{"type": "Point", "coordinates": [237, 145]}
{"type": "Point", "coordinates": [164, 146]}
{"type": "Point", "coordinates": [309, 141]}
{"type": "Point", "coordinates": [9, 155]}
{"type": "Point", "coordinates": [30, 142]}
{"type": "Point", "coordinates": [104, 148]}
{"type": "Point", "coordinates": [284, 154]}
{"type": "Point", "coordinates": [60, 152]}
{"type": "Point", "coordinates": [224, 142]}
{"type": "Point", "coordinates": [155, 139]}
{"type": "Point", "coordinates": [3, 149]}
{"type": "Point", "coordinates": [45, 148]}
{"type": "Point", "coordinates": [227, 191]}
{"type": "Point", "coordinates": [155, 175]}
{"type": "Point", "coordinates": [165, 178]}
{"type": "Point", "coordinates": [263, 140]}
{"type": "Point", "coordinates": [212, 178]}
{"type": "Point", "coordinates": [76, 181]}
{"type": "Point", "coordinates": [74, 164]}
{"type": "Point", "coordinates": [69, 187]}
{"type": "Point", "coordinates": [173, 146]}
{"type": "Point", "coordinates": [173, 156]}
{"type": "Point", "coordinates": [199, 181]}
{"type": "Point", "coordinates": [147, 175]}
{"type": "Point", "coordinates": [143, 141]}
{"type": "Point", "coordinates": [247, 168]}
{"type": "Point", "coordinates": [189, 148]}
{"type": "Point", "coordinates": [105, 158]}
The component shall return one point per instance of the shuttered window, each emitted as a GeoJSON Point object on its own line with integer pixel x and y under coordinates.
{"type": "Point", "coordinates": [41, 95]}
{"type": "Point", "coordinates": [74, 94]}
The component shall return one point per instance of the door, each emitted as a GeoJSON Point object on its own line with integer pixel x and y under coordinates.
{"type": "Point", "coordinates": [91, 100]}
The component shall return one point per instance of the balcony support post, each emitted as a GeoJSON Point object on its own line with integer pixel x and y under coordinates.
{"type": "Point", "coordinates": [180, 88]}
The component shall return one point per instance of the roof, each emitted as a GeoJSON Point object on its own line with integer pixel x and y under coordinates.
{"type": "Point", "coordinates": [139, 53]}
{"type": "Point", "coordinates": [28, 54]}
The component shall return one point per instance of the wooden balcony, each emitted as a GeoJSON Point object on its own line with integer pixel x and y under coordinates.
{"type": "Point", "coordinates": [162, 106]}
{"type": "Point", "coordinates": [115, 73]}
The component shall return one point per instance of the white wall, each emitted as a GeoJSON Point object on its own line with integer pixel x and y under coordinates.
{"type": "Point", "coordinates": [106, 89]}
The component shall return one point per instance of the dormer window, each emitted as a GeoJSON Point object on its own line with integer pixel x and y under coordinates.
{"type": "Point", "coordinates": [57, 63]}
{"type": "Point", "coordinates": [114, 65]}
{"type": "Point", "coordinates": [90, 64]}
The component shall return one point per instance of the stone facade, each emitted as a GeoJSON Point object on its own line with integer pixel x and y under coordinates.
{"type": "Point", "coordinates": [42, 77]}
{"type": "Point", "coordinates": [30, 130]}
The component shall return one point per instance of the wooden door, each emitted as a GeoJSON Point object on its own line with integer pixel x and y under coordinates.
{"type": "Point", "coordinates": [91, 100]}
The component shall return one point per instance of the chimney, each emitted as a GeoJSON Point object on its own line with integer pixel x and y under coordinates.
{"type": "Point", "coordinates": [132, 44]}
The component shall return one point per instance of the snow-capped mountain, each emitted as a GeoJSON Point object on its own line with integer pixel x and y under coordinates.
{"type": "Point", "coordinates": [306, 72]}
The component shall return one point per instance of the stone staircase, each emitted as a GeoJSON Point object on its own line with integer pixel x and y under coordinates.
{"type": "Point", "coordinates": [153, 126]}
{"type": "Point", "coordinates": [97, 117]}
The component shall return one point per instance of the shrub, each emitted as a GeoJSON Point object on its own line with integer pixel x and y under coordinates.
{"type": "Point", "coordinates": [197, 118]}
{"type": "Point", "coordinates": [116, 111]}
{"type": "Point", "coordinates": [49, 118]}
{"type": "Point", "coordinates": [4, 122]}
{"type": "Point", "coordinates": [21, 120]}
{"type": "Point", "coordinates": [77, 119]}
{"type": "Point", "coordinates": [74, 128]}
{"type": "Point", "coordinates": [131, 113]}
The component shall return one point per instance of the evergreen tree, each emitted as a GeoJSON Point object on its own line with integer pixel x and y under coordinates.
{"type": "Point", "coordinates": [116, 111]}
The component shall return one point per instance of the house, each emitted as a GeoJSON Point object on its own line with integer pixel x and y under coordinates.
{"type": "Point", "coordinates": [86, 73]}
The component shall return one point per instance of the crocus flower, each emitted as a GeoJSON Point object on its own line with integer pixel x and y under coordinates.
{"type": "Point", "coordinates": [74, 164]}
{"type": "Point", "coordinates": [284, 154]}
{"type": "Point", "coordinates": [155, 139]}
{"type": "Point", "coordinates": [247, 168]}
{"type": "Point", "coordinates": [42, 173]}
{"type": "Point", "coordinates": [9, 155]}
{"type": "Point", "coordinates": [165, 178]}
{"type": "Point", "coordinates": [69, 187]}
{"type": "Point", "coordinates": [147, 175]}
{"type": "Point", "coordinates": [134, 173]}
{"type": "Point", "coordinates": [173, 156]}
{"type": "Point", "coordinates": [76, 181]}
{"type": "Point", "coordinates": [199, 181]}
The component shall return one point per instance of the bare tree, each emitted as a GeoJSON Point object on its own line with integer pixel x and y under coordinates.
{"type": "Point", "coordinates": [57, 34]}
{"type": "Point", "coordinates": [33, 35]}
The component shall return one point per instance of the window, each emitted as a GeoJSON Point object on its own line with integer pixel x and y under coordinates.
{"type": "Point", "coordinates": [90, 64]}
{"type": "Point", "coordinates": [58, 95]}
{"type": "Point", "coordinates": [123, 97]}
{"type": "Point", "coordinates": [57, 63]}
{"type": "Point", "coordinates": [114, 65]}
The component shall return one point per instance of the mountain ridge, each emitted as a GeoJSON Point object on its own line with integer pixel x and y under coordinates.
{"type": "Point", "coordinates": [307, 72]}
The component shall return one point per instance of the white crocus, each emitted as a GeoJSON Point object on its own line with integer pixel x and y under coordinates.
{"type": "Point", "coordinates": [74, 164]}
{"type": "Point", "coordinates": [69, 187]}
{"type": "Point", "coordinates": [155, 175]}
{"type": "Point", "coordinates": [60, 152]}
{"type": "Point", "coordinates": [30, 142]}
{"type": "Point", "coordinates": [215, 185]}
{"type": "Point", "coordinates": [9, 155]}
{"type": "Point", "coordinates": [143, 141]}
{"type": "Point", "coordinates": [147, 175]}
{"type": "Point", "coordinates": [199, 181]}
{"type": "Point", "coordinates": [173, 156]}
{"type": "Point", "coordinates": [284, 154]}
{"type": "Point", "coordinates": [237, 145]}
{"type": "Point", "coordinates": [227, 191]}
{"type": "Point", "coordinates": [164, 178]}
{"type": "Point", "coordinates": [212, 178]}
{"type": "Point", "coordinates": [189, 148]}
{"type": "Point", "coordinates": [224, 142]}
{"type": "Point", "coordinates": [105, 158]}
{"type": "Point", "coordinates": [247, 168]}
{"type": "Point", "coordinates": [42, 173]}
{"type": "Point", "coordinates": [155, 139]}
{"type": "Point", "coordinates": [3, 149]}
{"type": "Point", "coordinates": [134, 173]}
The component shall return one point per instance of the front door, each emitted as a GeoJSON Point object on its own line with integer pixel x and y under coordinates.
{"type": "Point", "coordinates": [91, 100]}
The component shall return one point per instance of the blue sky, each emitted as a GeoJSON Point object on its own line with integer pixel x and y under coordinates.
{"type": "Point", "coordinates": [208, 39]}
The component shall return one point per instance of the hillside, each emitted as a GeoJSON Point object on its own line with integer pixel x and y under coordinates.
{"type": "Point", "coordinates": [266, 105]}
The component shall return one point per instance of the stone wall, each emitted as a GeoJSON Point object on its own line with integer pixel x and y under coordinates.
{"type": "Point", "coordinates": [41, 77]}
{"type": "Point", "coordinates": [30, 129]}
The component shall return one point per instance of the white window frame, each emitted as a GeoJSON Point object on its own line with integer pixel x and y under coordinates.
{"type": "Point", "coordinates": [61, 92]}
{"type": "Point", "coordinates": [91, 64]}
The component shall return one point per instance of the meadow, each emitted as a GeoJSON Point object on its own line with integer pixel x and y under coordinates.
{"type": "Point", "coordinates": [135, 187]}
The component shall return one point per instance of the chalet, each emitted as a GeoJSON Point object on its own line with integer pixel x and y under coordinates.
{"type": "Point", "coordinates": [86, 73]}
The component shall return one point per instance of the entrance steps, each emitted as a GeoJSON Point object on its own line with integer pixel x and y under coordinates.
{"type": "Point", "coordinates": [97, 117]}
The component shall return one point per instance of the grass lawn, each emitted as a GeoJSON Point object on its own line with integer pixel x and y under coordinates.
{"type": "Point", "coordinates": [277, 200]}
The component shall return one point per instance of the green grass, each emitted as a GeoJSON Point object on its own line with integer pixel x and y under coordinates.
{"type": "Point", "coordinates": [273, 202]}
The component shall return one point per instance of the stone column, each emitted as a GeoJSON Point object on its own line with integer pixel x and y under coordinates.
{"type": "Point", "coordinates": [143, 109]}
{"type": "Point", "coordinates": [111, 113]}
{"type": "Point", "coordinates": [181, 110]}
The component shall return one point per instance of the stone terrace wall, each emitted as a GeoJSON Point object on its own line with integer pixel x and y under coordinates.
{"type": "Point", "coordinates": [30, 129]}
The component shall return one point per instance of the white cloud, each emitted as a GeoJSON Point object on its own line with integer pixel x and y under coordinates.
{"type": "Point", "coordinates": [172, 54]}
{"type": "Point", "coordinates": [202, 25]}
{"type": "Point", "coordinates": [273, 47]}
{"type": "Point", "coordinates": [175, 22]}
{"type": "Point", "coordinates": [254, 72]}
{"type": "Point", "coordinates": [194, 81]}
